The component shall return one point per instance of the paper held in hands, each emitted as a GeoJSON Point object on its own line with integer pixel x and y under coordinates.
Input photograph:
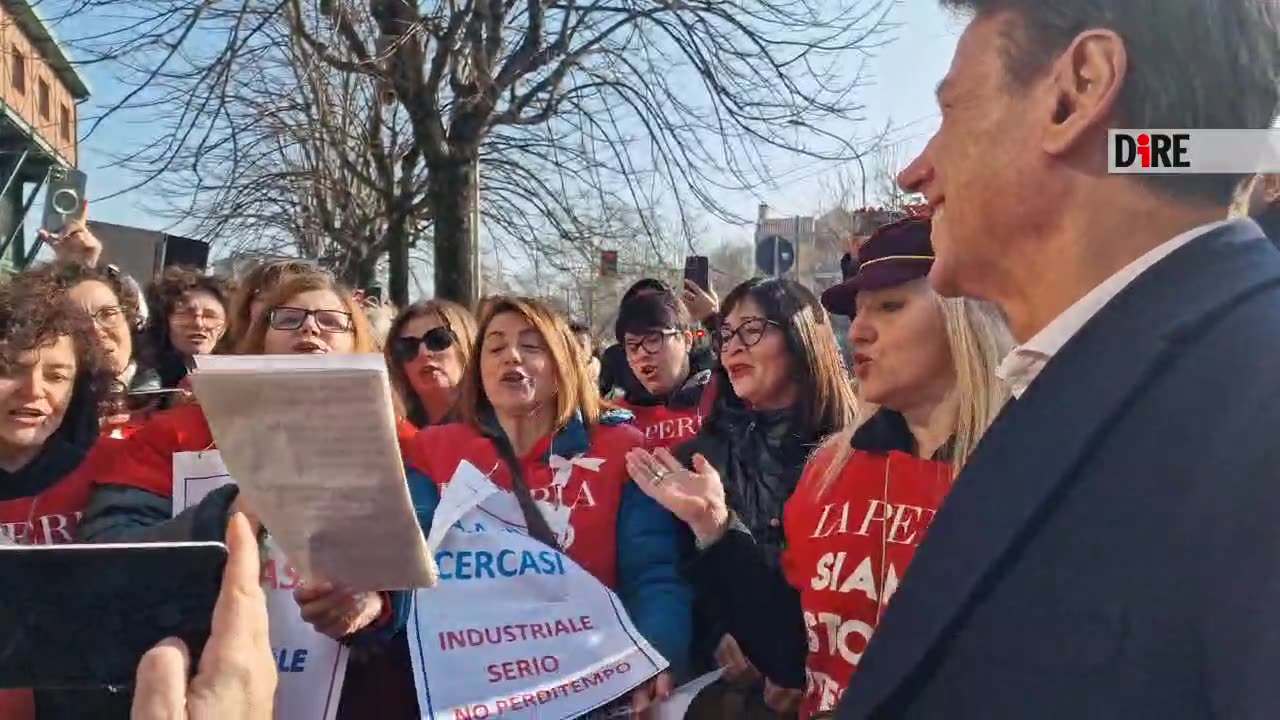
{"type": "Point", "coordinates": [311, 441]}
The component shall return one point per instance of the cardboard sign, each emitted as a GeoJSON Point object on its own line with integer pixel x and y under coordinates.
{"type": "Point", "coordinates": [311, 666]}
{"type": "Point", "coordinates": [515, 629]}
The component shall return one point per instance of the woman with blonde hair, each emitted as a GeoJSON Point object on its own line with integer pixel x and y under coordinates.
{"type": "Point", "coordinates": [926, 371]}
{"type": "Point", "coordinates": [428, 348]}
{"type": "Point", "coordinates": [526, 398]}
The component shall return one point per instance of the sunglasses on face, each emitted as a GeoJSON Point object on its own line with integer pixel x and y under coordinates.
{"type": "Point", "coordinates": [292, 318]}
{"type": "Point", "coordinates": [436, 339]}
{"type": "Point", "coordinates": [750, 332]}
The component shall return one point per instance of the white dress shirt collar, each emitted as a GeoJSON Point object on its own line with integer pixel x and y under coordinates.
{"type": "Point", "coordinates": [1023, 364]}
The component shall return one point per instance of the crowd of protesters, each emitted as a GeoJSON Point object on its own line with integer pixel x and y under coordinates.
{"type": "Point", "coordinates": [1059, 416]}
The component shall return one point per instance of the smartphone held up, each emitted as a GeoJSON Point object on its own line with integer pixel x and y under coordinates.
{"type": "Point", "coordinates": [64, 199]}
{"type": "Point", "coordinates": [697, 269]}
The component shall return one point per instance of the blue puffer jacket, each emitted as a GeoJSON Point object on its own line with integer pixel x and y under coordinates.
{"type": "Point", "coordinates": [647, 537]}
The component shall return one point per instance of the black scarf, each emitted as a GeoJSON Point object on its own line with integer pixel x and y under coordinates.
{"type": "Point", "coordinates": [766, 458]}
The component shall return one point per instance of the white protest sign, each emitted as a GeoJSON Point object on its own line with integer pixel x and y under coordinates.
{"type": "Point", "coordinates": [311, 666]}
{"type": "Point", "coordinates": [515, 629]}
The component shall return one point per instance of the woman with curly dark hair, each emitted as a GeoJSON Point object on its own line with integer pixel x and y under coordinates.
{"type": "Point", "coordinates": [110, 299]}
{"type": "Point", "coordinates": [106, 297]}
{"type": "Point", "coordinates": [53, 374]}
{"type": "Point", "coordinates": [189, 318]}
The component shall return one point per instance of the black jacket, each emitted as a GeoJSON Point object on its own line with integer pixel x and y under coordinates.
{"type": "Point", "coordinates": [1110, 550]}
{"type": "Point", "coordinates": [760, 461]}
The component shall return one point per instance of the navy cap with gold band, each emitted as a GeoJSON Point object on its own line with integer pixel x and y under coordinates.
{"type": "Point", "coordinates": [896, 253]}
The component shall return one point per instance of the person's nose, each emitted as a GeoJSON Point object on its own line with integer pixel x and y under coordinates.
{"type": "Point", "coordinates": [310, 326]}
{"type": "Point", "coordinates": [29, 386]}
{"type": "Point", "coordinates": [510, 355]}
{"type": "Point", "coordinates": [735, 346]}
{"type": "Point", "coordinates": [919, 173]}
{"type": "Point", "coordinates": [862, 332]}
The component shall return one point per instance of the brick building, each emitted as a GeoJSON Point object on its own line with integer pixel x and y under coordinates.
{"type": "Point", "coordinates": [40, 93]}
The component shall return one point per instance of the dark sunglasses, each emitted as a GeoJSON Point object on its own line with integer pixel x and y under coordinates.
{"type": "Point", "coordinates": [750, 332]}
{"type": "Point", "coordinates": [292, 318]}
{"type": "Point", "coordinates": [436, 339]}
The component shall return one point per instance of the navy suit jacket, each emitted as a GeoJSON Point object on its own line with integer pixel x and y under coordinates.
{"type": "Point", "coordinates": [1112, 549]}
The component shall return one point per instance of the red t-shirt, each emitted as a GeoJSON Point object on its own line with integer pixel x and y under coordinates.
{"type": "Point", "coordinates": [51, 517]}
{"type": "Point", "coordinates": [664, 426]}
{"type": "Point", "coordinates": [589, 498]}
{"type": "Point", "coordinates": [846, 551]}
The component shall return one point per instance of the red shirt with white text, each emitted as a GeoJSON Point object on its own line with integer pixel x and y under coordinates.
{"type": "Point", "coordinates": [847, 549]}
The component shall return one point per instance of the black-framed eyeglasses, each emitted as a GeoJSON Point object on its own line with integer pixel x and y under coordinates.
{"type": "Point", "coordinates": [651, 343]}
{"type": "Point", "coordinates": [437, 339]}
{"type": "Point", "coordinates": [293, 318]}
{"type": "Point", "coordinates": [750, 332]}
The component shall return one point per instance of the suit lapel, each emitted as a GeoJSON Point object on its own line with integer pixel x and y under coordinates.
{"type": "Point", "coordinates": [1031, 452]}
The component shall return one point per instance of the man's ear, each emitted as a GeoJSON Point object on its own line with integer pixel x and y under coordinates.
{"type": "Point", "coordinates": [1270, 185]}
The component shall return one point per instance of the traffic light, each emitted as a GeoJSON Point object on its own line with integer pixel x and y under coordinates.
{"type": "Point", "coordinates": [609, 263]}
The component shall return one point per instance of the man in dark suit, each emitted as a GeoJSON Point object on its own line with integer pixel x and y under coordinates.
{"type": "Point", "coordinates": [1112, 548]}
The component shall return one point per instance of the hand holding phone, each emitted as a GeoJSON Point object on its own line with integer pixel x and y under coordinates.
{"type": "Point", "coordinates": [83, 615]}
{"type": "Point", "coordinates": [697, 269]}
{"type": "Point", "coordinates": [237, 672]}
{"type": "Point", "coordinates": [64, 200]}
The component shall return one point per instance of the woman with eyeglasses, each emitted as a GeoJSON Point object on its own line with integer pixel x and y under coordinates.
{"type": "Point", "coordinates": [105, 296]}
{"type": "Point", "coordinates": [656, 332]}
{"type": "Point", "coordinates": [252, 289]}
{"type": "Point", "coordinates": [428, 347]}
{"type": "Point", "coordinates": [189, 318]}
{"type": "Point", "coordinates": [304, 314]}
{"type": "Point", "coordinates": [781, 389]}
{"type": "Point", "coordinates": [926, 367]}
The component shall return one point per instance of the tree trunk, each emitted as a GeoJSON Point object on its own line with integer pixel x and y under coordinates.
{"type": "Point", "coordinates": [364, 272]}
{"type": "Point", "coordinates": [398, 260]}
{"type": "Point", "coordinates": [451, 188]}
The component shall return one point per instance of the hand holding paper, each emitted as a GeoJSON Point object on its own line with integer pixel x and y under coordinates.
{"type": "Point", "coordinates": [311, 441]}
{"type": "Point", "coordinates": [335, 611]}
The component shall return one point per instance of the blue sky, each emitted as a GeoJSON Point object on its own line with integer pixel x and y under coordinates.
{"type": "Point", "coordinates": [899, 93]}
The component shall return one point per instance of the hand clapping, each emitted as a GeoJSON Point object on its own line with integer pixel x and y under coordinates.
{"type": "Point", "coordinates": [695, 496]}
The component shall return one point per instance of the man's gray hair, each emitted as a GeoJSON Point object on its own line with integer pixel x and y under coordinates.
{"type": "Point", "coordinates": [1192, 64]}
